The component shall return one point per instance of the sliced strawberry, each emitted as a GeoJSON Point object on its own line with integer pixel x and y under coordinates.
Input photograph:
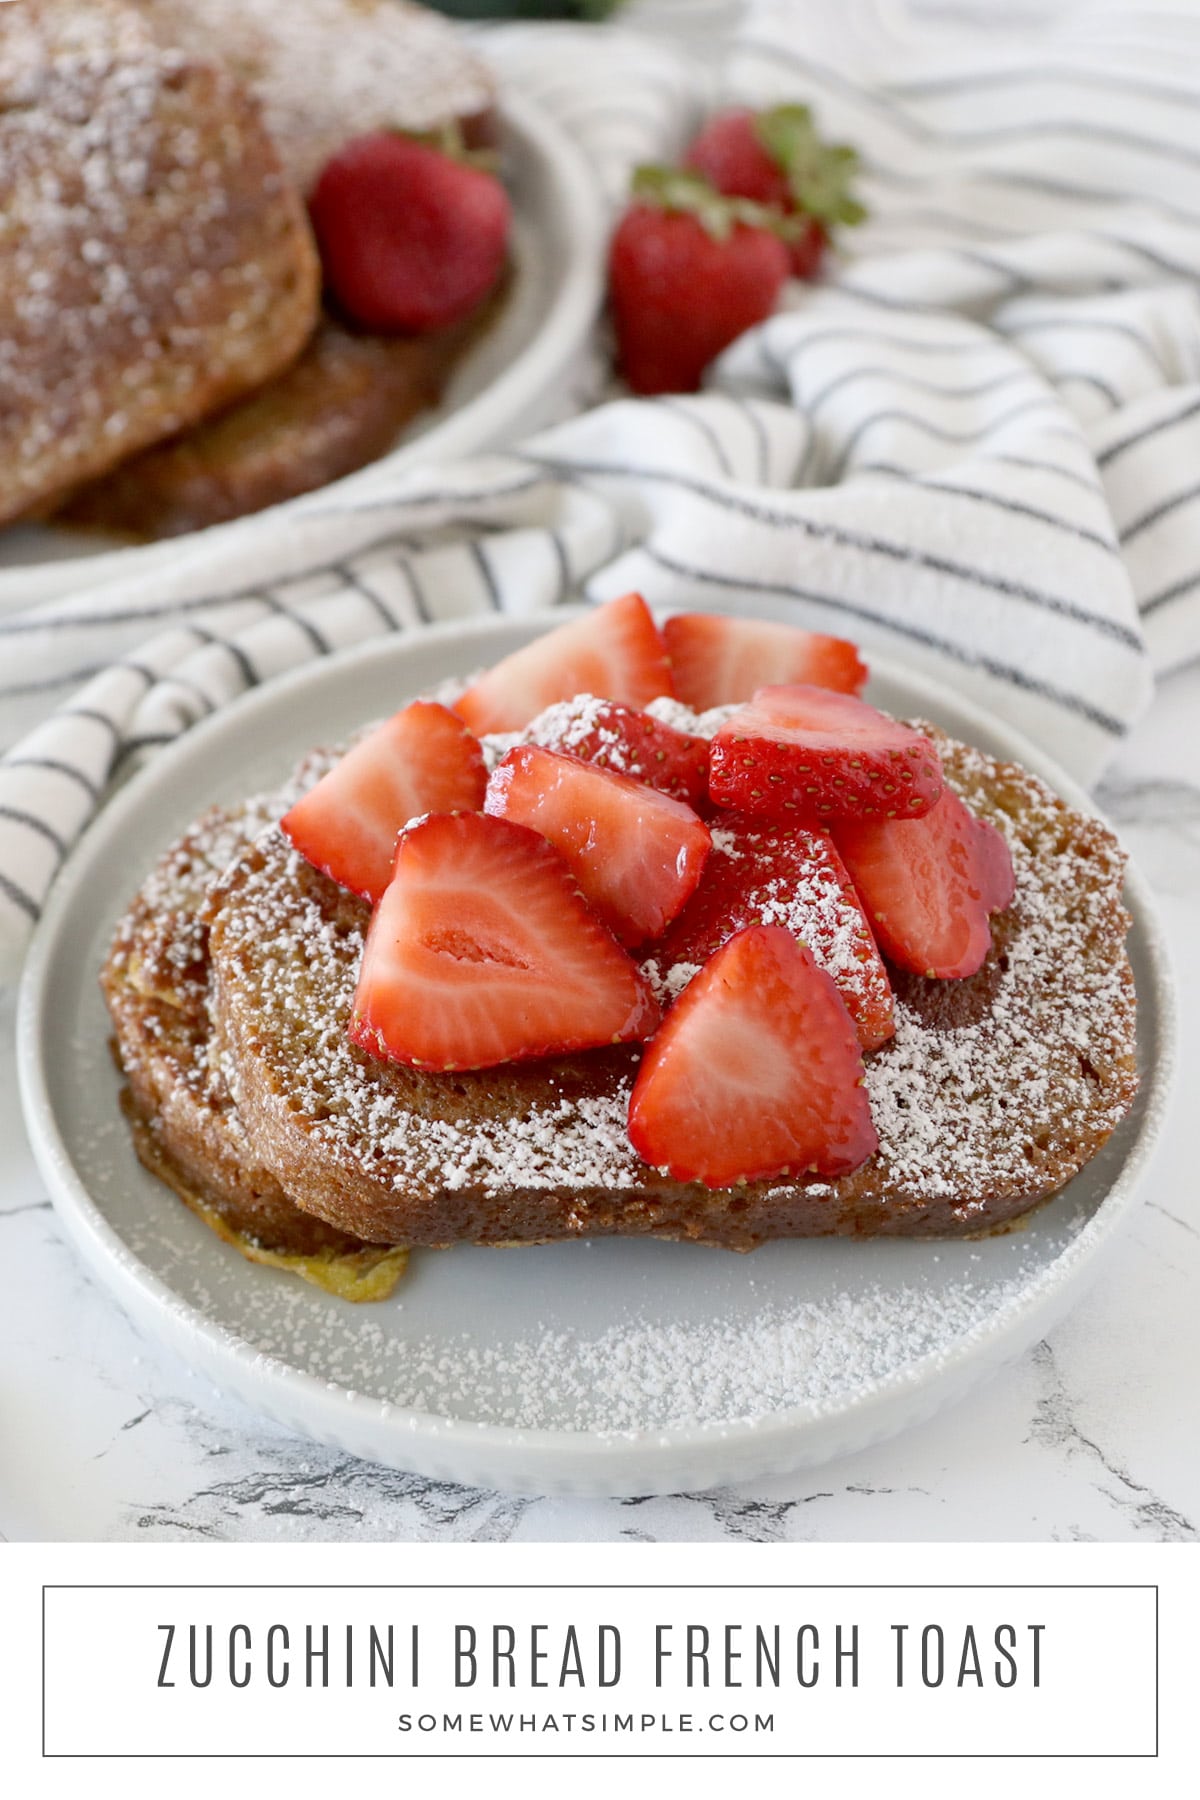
{"type": "Point", "coordinates": [756, 1071]}
{"type": "Point", "coordinates": [421, 760]}
{"type": "Point", "coordinates": [716, 660]}
{"type": "Point", "coordinates": [767, 872]}
{"type": "Point", "coordinates": [615, 652]}
{"type": "Point", "coordinates": [929, 884]}
{"type": "Point", "coordinates": [483, 951]}
{"type": "Point", "coordinates": [636, 854]}
{"type": "Point", "coordinates": [628, 742]}
{"type": "Point", "coordinates": [994, 861]}
{"type": "Point", "coordinates": [809, 753]}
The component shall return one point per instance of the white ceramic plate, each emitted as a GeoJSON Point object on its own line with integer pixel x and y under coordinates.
{"type": "Point", "coordinates": [508, 384]}
{"type": "Point", "coordinates": [614, 1367]}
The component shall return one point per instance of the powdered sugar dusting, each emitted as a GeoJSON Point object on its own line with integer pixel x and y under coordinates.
{"type": "Point", "coordinates": [730, 1364]}
{"type": "Point", "coordinates": [296, 946]}
{"type": "Point", "coordinates": [156, 262]}
{"type": "Point", "coordinates": [327, 70]}
{"type": "Point", "coordinates": [668, 983]}
{"type": "Point", "coordinates": [950, 1097]}
{"type": "Point", "coordinates": [682, 718]}
{"type": "Point", "coordinates": [641, 1376]}
{"type": "Point", "coordinates": [584, 723]}
{"type": "Point", "coordinates": [996, 1087]}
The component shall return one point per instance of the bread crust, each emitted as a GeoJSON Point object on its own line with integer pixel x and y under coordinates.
{"type": "Point", "coordinates": [185, 1127]}
{"type": "Point", "coordinates": [342, 405]}
{"type": "Point", "coordinates": [994, 1093]}
{"type": "Point", "coordinates": [156, 262]}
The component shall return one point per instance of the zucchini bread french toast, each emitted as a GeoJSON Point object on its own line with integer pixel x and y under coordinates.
{"type": "Point", "coordinates": [155, 258]}
{"type": "Point", "coordinates": [987, 1090]}
{"type": "Point", "coordinates": [168, 360]}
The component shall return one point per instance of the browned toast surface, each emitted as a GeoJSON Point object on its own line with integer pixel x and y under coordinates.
{"type": "Point", "coordinates": [992, 1095]}
{"type": "Point", "coordinates": [155, 260]}
{"type": "Point", "coordinates": [185, 1127]}
{"type": "Point", "coordinates": [341, 405]}
{"type": "Point", "coordinates": [322, 72]}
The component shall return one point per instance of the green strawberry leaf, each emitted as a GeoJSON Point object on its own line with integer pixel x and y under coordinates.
{"type": "Point", "coordinates": [820, 175]}
{"type": "Point", "coordinates": [449, 140]}
{"type": "Point", "coordinates": [684, 191]}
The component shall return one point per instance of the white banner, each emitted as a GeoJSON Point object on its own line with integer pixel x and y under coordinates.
{"type": "Point", "coordinates": [963, 1665]}
{"type": "Point", "coordinates": [613, 1671]}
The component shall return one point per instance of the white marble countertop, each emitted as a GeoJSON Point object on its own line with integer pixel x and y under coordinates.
{"type": "Point", "coordinates": [1090, 1436]}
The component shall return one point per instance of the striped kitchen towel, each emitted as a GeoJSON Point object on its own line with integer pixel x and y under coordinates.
{"type": "Point", "coordinates": [975, 446]}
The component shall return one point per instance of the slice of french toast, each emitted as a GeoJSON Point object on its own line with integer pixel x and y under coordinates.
{"type": "Point", "coordinates": [322, 73]}
{"type": "Point", "coordinates": [341, 405]}
{"type": "Point", "coordinates": [156, 262]}
{"type": "Point", "coordinates": [185, 1127]}
{"type": "Point", "coordinates": [993, 1093]}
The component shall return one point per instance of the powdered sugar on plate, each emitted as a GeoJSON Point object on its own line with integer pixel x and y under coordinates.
{"type": "Point", "coordinates": [641, 1374]}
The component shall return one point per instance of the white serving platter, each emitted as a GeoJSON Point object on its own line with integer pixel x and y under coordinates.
{"type": "Point", "coordinates": [610, 1367]}
{"type": "Point", "coordinates": [508, 384]}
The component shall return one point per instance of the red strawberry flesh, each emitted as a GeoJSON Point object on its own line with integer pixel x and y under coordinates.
{"type": "Point", "coordinates": [615, 651]}
{"type": "Point", "coordinates": [765, 872]}
{"type": "Point", "coordinates": [929, 884]}
{"type": "Point", "coordinates": [628, 742]}
{"type": "Point", "coordinates": [776, 158]}
{"type": "Point", "coordinates": [679, 295]}
{"type": "Point", "coordinates": [755, 1073]}
{"type": "Point", "coordinates": [410, 239]}
{"type": "Point", "coordinates": [637, 854]}
{"type": "Point", "coordinates": [808, 250]}
{"type": "Point", "coordinates": [482, 951]}
{"type": "Point", "coordinates": [421, 760]}
{"type": "Point", "coordinates": [812, 754]}
{"type": "Point", "coordinates": [729, 153]}
{"type": "Point", "coordinates": [718, 661]}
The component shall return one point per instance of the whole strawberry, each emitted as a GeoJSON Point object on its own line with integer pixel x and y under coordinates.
{"type": "Point", "coordinates": [410, 238]}
{"type": "Point", "coordinates": [689, 271]}
{"type": "Point", "coordinates": [777, 158]}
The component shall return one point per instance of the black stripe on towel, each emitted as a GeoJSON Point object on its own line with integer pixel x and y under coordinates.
{"type": "Point", "coordinates": [670, 403]}
{"type": "Point", "coordinates": [246, 669]}
{"type": "Point", "coordinates": [19, 897]}
{"type": "Point", "coordinates": [487, 573]}
{"type": "Point", "coordinates": [317, 639]}
{"type": "Point", "coordinates": [871, 372]}
{"type": "Point", "coordinates": [1166, 595]}
{"type": "Point", "coordinates": [1160, 511]}
{"type": "Point", "coordinates": [942, 485]}
{"type": "Point", "coordinates": [1144, 432]}
{"type": "Point", "coordinates": [920, 131]}
{"type": "Point", "coordinates": [898, 415]}
{"type": "Point", "coordinates": [909, 554]}
{"type": "Point", "coordinates": [1074, 703]}
{"type": "Point", "coordinates": [18, 816]}
{"type": "Point", "coordinates": [56, 766]}
{"type": "Point", "coordinates": [365, 592]}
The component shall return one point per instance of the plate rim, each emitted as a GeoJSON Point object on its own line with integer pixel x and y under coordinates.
{"type": "Point", "coordinates": [280, 1388]}
{"type": "Point", "coordinates": [466, 431]}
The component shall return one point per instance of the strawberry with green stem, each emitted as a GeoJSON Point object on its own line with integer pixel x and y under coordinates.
{"type": "Point", "coordinates": [689, 271]}
{"type": "Point", "coordinates": [778, 159]}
